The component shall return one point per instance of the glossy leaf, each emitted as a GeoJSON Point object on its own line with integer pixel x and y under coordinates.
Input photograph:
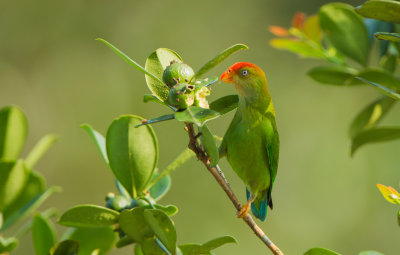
{"type": "Point", "coordinates": [385, 10]}
{"type": "Point", "coordinates": [132, 152]}
{"type": "Point", "coordinates": [133, 224]}
{"type": "Point", "coordinates": [225, 104]}
{"type": "Point", "coordinates": [98, 140]}
{"type": "Point", "coordinates": [89, 216]}
{"type": "Point", "coordinates": [333, 75]}
{"type": "Point", "coordinates": [394, 37]}
{"type": "Point", "coordinates": [301, 48]}
{"type": "Point", "coordinates": [374, 135]}
{"type": "Point", "coordinates": [345, 30]}
{"type": "Point", "coordinates": [30, 207]}
{"type": "Point", "coordinates": [389, 193]}
{"type": "Point", "coordinates": [43, 235]}
{"type": "Point", "coordinates": [320, 251]}
{"type": "Point", "coordinates": [66, 247]}
{"type": "Point", "coordinates": [219, 58]}
{"type": "Point", "coordinates": [39, 150]}
{"type": "Point", "coordinates": [312, 29]}
{"type": "Point", "coordinates": [92, 239]}
{"type": "Point", "coordinates": [160, 188]}
{"type": "Point", "coordinates": [13, 132]}
{"type": "Point", "coordinates": [13, 176]}
{"type": "Point", "coordinates": [371, 115]}
{"type": "Point", "coordinates": [156, 64]}
{"type": "Point", "coordinates": [210, 145]}
{"type": "Point", "coordinates": [7, 244]}
{"type": "Point", "coordinates": [385, 90]}
{"type": "Point", "coordinates": [127, 59]}
{"type": "Point", "coordinates": [158, 119]}
{"type": "Point", "coordinates": [197, 115]}
{"type": "Point", "coordinates": [370, 253]}
{"type": "Point", "coordinates": [180, 160]}
{"type": "Point", "coordinates": [213, 244]}
{"type": "Point", "coordinates": [163, 227]}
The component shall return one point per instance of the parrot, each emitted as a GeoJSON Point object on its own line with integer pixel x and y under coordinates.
{"type": "Point", "coordinates": [251, 142]}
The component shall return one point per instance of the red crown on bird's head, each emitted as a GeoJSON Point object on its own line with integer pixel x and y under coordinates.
{"type": "Point", "coordinates": [237, 66]}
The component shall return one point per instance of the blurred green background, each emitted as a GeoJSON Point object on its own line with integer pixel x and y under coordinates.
{"type": "Point", "coordinates": [51, 66]}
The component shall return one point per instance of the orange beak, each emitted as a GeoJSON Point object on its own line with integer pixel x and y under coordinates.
{"type": "Point", "coordinates": [226, 77]}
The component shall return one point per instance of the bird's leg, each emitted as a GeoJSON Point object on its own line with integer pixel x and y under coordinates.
{"type": "Point", "coordinates": [246, 208]}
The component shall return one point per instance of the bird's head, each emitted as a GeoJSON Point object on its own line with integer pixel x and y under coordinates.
{"type": "Point", "coordinates": [248, 78]}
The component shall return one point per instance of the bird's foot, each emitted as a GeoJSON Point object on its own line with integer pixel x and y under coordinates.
{"type": "Point", "coordinates": [245, 210]}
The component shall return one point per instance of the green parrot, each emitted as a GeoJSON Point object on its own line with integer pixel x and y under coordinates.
{"type": "Point", "coordinates": [251, 143]}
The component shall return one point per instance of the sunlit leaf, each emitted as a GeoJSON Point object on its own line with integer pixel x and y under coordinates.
{"type": "Point", "coordinates": [66, 247]}
{"type": "Point", "coordinates": [163, 227]}
{"type": "Point", "coordinates": [7, 244]}
{"type": "Point", "coordinates": [299, 47]}
{"type": "Point", "coordinates": [374, 135]}
{"type": "Point", "coordinates": [13, 176]}
{"type": "Point", "coordinates": [91, 239]}
{"type": "Point", "coordinates": [332, 75]}
{"type": "Point", "coordinates": [39, 150]}
{"type": "Point", "coordinates": [345, 30]}
{"type": "Point", "coordinates": [320, 251]}
{"type": "Point", "coordinates": [370, 253]}
{"type": "Point", "coordinates": [43, 235]}
{"type": "Point", "coordinates": [13, 132]}
{"type": "Point", "coordinates": [371, 115]}
{"type": "Point", "coordinates": [278, 31]}
{"type": "Point", "coordinates": [225, 104]}
{"type": "Point", "coordinates": [132, 152]}
{"type": "Point", "coordinates": [197, 115]}
{"type": "Point", "coordinates": [98, 140]}
{"type": "Point", "coordinates": [312, 29]}
{"type": "Point", "coordinates": [133, 224]}
{"type": "Point", "coordinates": [89, 216]}
{"type": "Point", "coordinates": [156, 64]}
{"type": "Point", "coordinates": [385, 10]}
{"type": "Point", "coordinates": [394, 37]}
{"type": "Point", "coordinates": [389, 193]}
{"type": "Point", "coordinates": [210, 145]}
{"type": "Point", "coordinates": [219, 58]}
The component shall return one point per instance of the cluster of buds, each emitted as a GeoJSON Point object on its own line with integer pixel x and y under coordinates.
{"type": "Point", "coordinates": [183, 91]}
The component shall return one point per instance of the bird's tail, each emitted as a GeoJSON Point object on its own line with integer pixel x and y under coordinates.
{"type": "Point", "coordinates": [259, 205]}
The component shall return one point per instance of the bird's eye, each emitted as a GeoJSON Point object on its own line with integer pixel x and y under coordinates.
{"type": "Point", "coordinates": [244, 72]}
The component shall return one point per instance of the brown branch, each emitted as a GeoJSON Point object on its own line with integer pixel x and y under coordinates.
{"type": "Point", "coordinates": [219, 177]}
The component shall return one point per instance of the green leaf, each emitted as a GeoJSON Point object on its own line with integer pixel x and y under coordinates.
{"type": "Point", "coordinates": [132, 152]}
{"type": "Point", "coordinates": [89, 216]}
{"type": "Point", "coordinates": [127, 59]}
{"type": "Point", "coordinates": [187, 249]}
{"type": "Point", "coordinates": [388, 62]}
{"type": "Point", "coordinates": [43, 235]}
{"type": "Point", "coordinates": [210, 145]}
{"type": "Point", "coordinates": [389, 193]}
{"type": "Point", "coordinates": [30, 207]}
{"type": "Point", "coordinates": [225, 104]}
{"type": "Point", "coordinates": [197, 115]}
{"type": "Point", "coordinates": [160, 188]}
{"type": "Point", "coordinates": [163, 227]}
{"type": "Point", "coordinates": [374, 135]}
{"type": "Point", "coordinates": [13, 176]}
{"type": "Point", "coordinates": [213, 244]}
{"type": "Point", "coordinates": [152, 247]}
{"type": "Point", "coordinates": [66, 247]}
{"type": "Point", "coordinates": [138, 250]}
{"type": "Point", "coordinates": [333, 75]}
{"type": "Point", "coordinates": [219, 58]}
{"type": "Point", "coordinates": [386, 91]}
{"type": "Point", "coordinates": [345, 30]}
{"type": "Point", "coordinates": [155, 120]}
{"type": "Point", "coordinates": [170, 210]}
{"type": "Point", "coordinates": [371, 115]}
{"type": "Point", "coordinates": [156, 64]}
{"type": "Point", "coordinates": [39, 150]}
{"type": "Point", "coordinates": [7, 244]}
{"type": "Point", "coordinates": [301, 48]}
{"type": "Point", "coordinates": [394, 37]}
{"type": "Point", "coordinates": [180, 160]}
{"type": "Point", "coordinates": [384, 10]}
{"type": "Point", "coordinates": [320, 251]}
{"type": "Point", "coordinates": [13, 132]}
{"type": "Point", "coordinates": [133, 224]}
{"type": "Point", "coordinates": [381, 77]}
{"type": "Point", "coordinates": [98, 140]}
{"type": "Point", "coordinates": [91, 239]}
{"type": "Point", "coordinates": [398, 218]}
{"type": "Point", "coordinates": [206, 82]}
{"type": "Point", "coordinates": [152, 98]}
{"type": "Point", "coordinates": [312, 29]}
{"type": "Point", "coordinates": [124, 241]}
{"type": "Point", "coordinates": [370, 253]}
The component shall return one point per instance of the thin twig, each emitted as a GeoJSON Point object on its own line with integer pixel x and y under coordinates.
{"type": "Point", "coordinates": [219, 177]}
